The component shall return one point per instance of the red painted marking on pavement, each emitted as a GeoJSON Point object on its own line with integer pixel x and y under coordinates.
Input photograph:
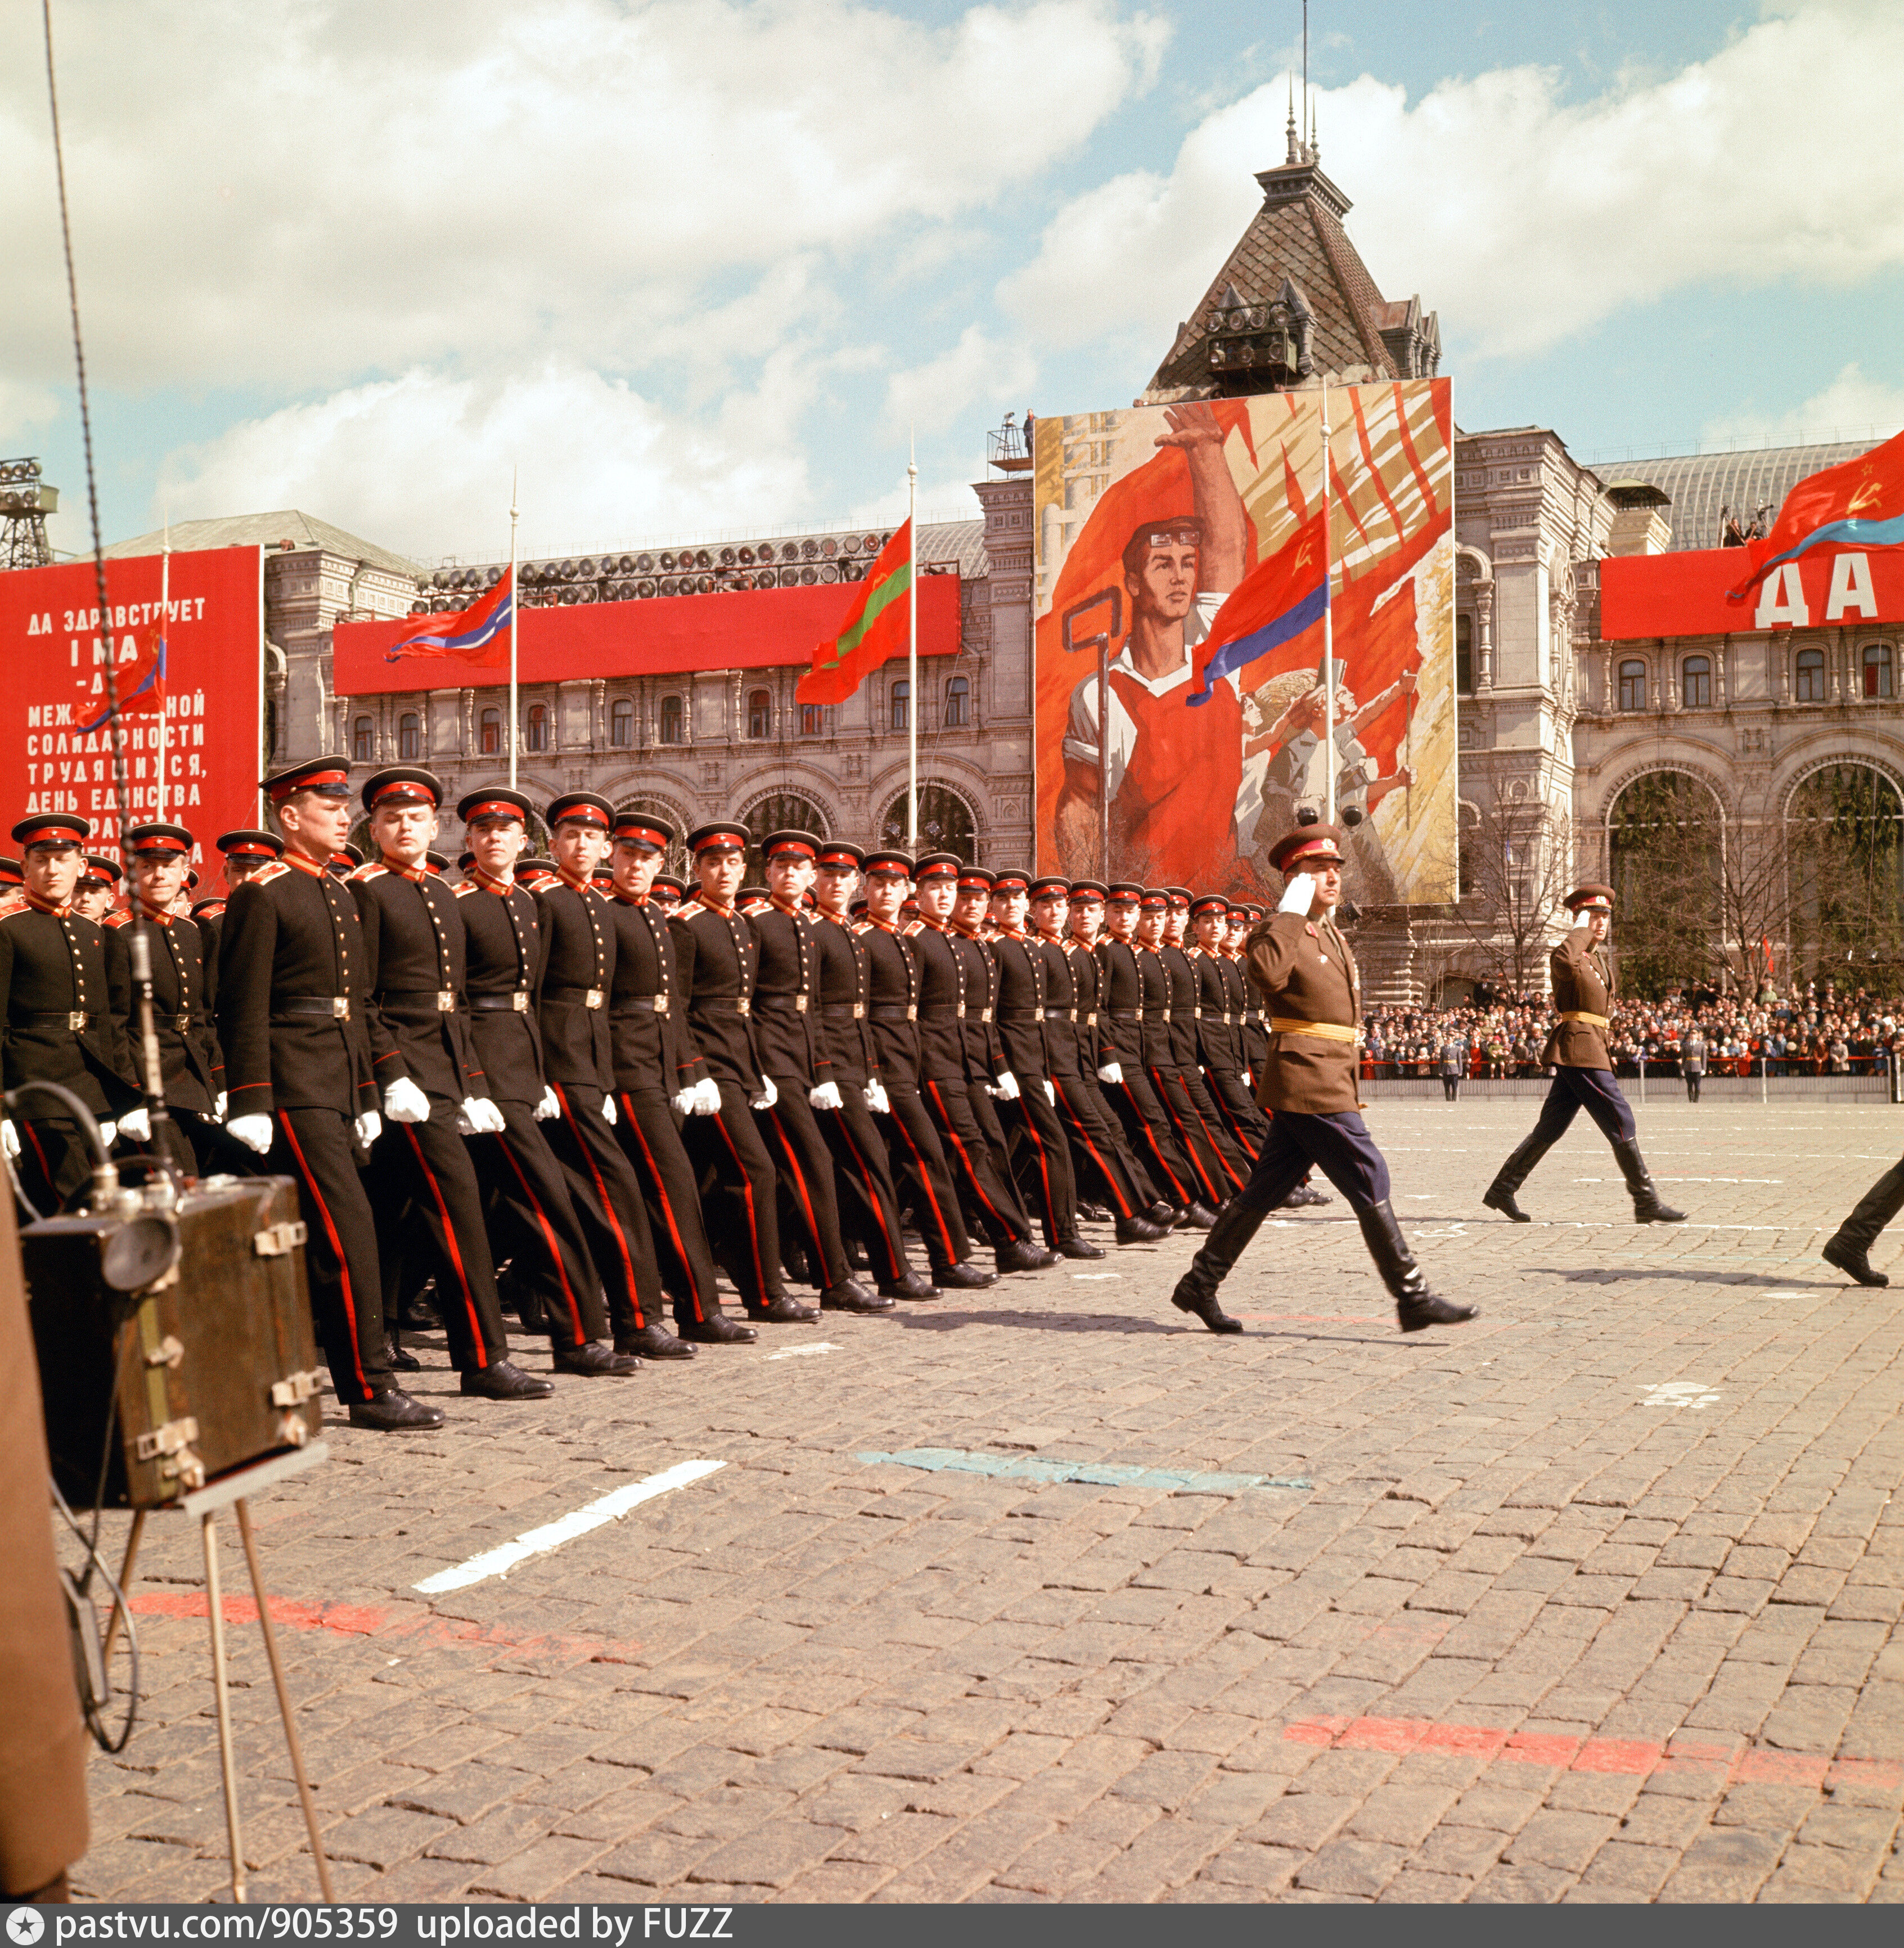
{"type": "Point", "coordinates": [1562, 1751]}
{"type": "Point", "coordinates": [420, 1627]}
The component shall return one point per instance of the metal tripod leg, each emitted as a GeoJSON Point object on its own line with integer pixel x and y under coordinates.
{"type": "Point", "coordinates": [228, 1769]}
{"type": "Point", "coordinates": [125, 1568]}
{"type": "Point", "coordinates": [284, 1710]}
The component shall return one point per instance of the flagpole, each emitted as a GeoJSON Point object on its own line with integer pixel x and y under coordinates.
{"type": "Point", "coordinates": [1328, 630]}
{"type": "Point", "coordinates": [165, 696]}
{"type": "Point", "coordinates": [512, 516]}
{"type": "Point", "coordinates": [912, 649]}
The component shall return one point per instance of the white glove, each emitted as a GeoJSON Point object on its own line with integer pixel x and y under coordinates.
{"type": "Point", "coordinates": [370, 1126]}
{"type": "Point", "coordinates": [609, 1114]}
{"type": "Point", "coordinates": [218, 1107]}
{"type": "Point", "coordinates": [877, 1099]}
{"type": "Point", "coordinates": [108, 1134]}
{"type": "Point", "coordinates": [1007, 1089]}
{"type": "Point", "coordinates": [1299, 896]}
{"type": "Point", "coordinates": [1112, 1072]}
{"type": "Point", "coordinates": [684, 1103]}
{"type": "Point", "coordinates": [548, 1106]}
{"type": "Point", "coordinates": [769, 1095]}
{"type": "Point", "coordinates": [707, 1097]}
{"type": "Point", "coordinates": [480, 1117]}
{"type": "Point", "coordinates": [254, 1132]}
{"type": "Point", "coordinates": [1249, 1080]}
{"type": "Point", "coordinates": [405, 1102]}
{"type": "Point", "coordinates": [9, 1138]}
{"type": "Point", "coordinates": [826, 1096]}
{"type": "Point", "coordinates": [137, 1124]}
{"type": "Point", "coordinates": [1050, 1094]}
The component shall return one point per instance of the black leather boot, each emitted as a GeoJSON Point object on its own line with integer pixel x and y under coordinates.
{"type": "Point", "coordinates": [399, 1358]}
{"type": "Point", "coordinates": [783, 1309]}
{"type": "Point", "coordinates": [1415, 1306]}
{"type": "Point", "coordinates": [1647, 1207]}
{"type": "Point", "coordinates": [964, 1276]}
{"type": "Point", "coordinates": [1196, 1291]}
{"type": "Point", "coordinates": [1022, 1255]}
{"type": "Point", "coordinates": [390, 1410]}
{"type": "Point", "coordinates": [595, 1358]}
{"type": "Point", "coordinates": [849, 1296]}
{"type": "Point", "coordinates": [1512, 1174]}
{"type": "Point", "coordinates": [912, 1285]}
{"type": "Point", "coordinates": [1850, 1249]}
{"type": "Point", "coordinates": [1140, 1231]}
{"type": "Point", "coordinates": [504, 1380]}
{"type": "Point", "coordinates": [1075, 1246]}
{"type": "Point", "coordinates": [717, 1329]}
{"type": "Point", "coordinates": [653, 1341]}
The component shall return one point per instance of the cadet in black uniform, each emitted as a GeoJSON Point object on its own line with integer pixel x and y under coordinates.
{"type": "Point", "coordinates": [294, 991]}
{"type": "Point", "coordinates": [65, 983]}
{"type": "Point", "coordinates": [1179, 1086]}
{"type": "Point", "coordinates": [98, 887]}
{"type": "Point", "coordinates": [1223, 997]}
{"type": "Point", "coordinates": [427, 1069]}
{"type": "Point", "coordinates": [918, 1158]}
{"type": "Point", "coordinates": [504, 945]}
{"type": "Point", "coordinates": [578, 1058]}
{"type": "Point", "coordinates": [659, 1077]}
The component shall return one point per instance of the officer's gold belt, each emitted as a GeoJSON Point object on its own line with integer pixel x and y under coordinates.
{"type": "Point", "coordinates": [1325, 1031]}
{"type": "Point", "coordinates": [1591, 1021]}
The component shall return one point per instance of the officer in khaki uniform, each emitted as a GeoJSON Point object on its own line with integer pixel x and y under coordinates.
{"type": "Point", "coordinates": [1302, 965]}
{"type": "Point", "coordinates": [1583, 1077]}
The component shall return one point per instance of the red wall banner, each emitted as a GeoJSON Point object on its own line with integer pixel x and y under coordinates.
{"type": "Point", "coordinates": [1684, 594]}
{"type": "Point", "coordinates": [55, 750]}
{"type": "Point", "coordinates": [753, 628]}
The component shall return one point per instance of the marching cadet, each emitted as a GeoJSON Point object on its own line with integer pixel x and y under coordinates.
{"type": "Point", "coordinates": [660, 1077]}
{"type": "Point", "coordinates": [952, 1100]}
{"type": "Point", "coordinates": [67, 987]}
{"type": "Point", "coordinates": [293, 1001]}
{"type": "Point", "coordinates": [98, 887]}
{"type": "Point", "coordinates": [1222, 991]}
{"type": "Point", "coordinates": [244, 851]}
{"type": "Point", "coordinates": [505, 947]}
{"type": "Point", "coordinates": [185, 989]}
{"type": "Point", "coordinates": [1210, 1183]}
{"type": "Point", "coordinates": [667, 893]}
{"type": "Point", "coordinates": [1035, 1129]}
{"type": "Point", "coordinates": [10, 873]}
{"type": "Point", "coordinates": [1121, 1029]}
{"type": "Point", "coordinates": [785, 1005]}
{"type": "Point", "coordinates": [431, 1082]}
{"type": "Point", "coordinates": [843, 986]}
{"type": "Point", "coordinates": [716, 955]}
{"type": "Point", "coordinates": [917, 1156]}
{"type": "Point", "coordinates": [1070, 1026]}
{"type": "Point", "coordinates": [1307, 974]}
{"type": "Point", "coordinates": [1583, 1077]}
{"type": "Point", "coordinates": [1181, 1087]}
{"type": "Point", "coordinates": [578, 1056]}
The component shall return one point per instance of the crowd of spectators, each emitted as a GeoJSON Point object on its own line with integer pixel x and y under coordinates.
{"type": "Point", "coordinates": [1810, 1029]}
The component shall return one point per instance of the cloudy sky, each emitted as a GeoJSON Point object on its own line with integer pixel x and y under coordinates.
{"type": "Point", "coordinates": [698, 266]}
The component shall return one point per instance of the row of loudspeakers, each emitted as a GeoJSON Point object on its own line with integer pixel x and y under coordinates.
{"type": "Point", "coordinates": [587, 569]}
{"type": "Point", "coordinates": [574, 593]}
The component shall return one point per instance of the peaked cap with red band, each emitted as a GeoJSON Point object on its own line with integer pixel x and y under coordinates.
{"type": "Point", "coordinates": [10, 872]}
{"type": "Point", "coordinates": [102, 872]}
{"type": "Point", "coordinates": [1011, 879]}
{"type": "Point", "coordinates": [841, 853]}
{"type": "Point", "coordinates": [1209, 903]}
{"type": "Point", "coordinates": [644, 828]}
{"type": "Point", "coordinates": [1050, 889]}
{"type": "Point", "coordinates": [330, 776]}
{"type": "Point", "coordinates": [1308, 845]}
{"type": "Point", "coordinates": [158, 840]}
{"type": "Point", "coordinates": [729, 836]}
{"type": "Point", "coordinates": [893, 865]}
{"type": "Point", "coordinates": [975, 880]}
{"type": "Point", "coordinates": [1591, 897]}
{"type": "Point", "coordinates": [790, 843]}
{"type": "Point", "coordinates": [937, 865]}
{"type": "Point", "coordinates": [493, 801]}
{"type": "Point", "coordinates": [1123, 893]}
{"type": "Point", "coordinates": [245, 843]}
{"type": "Point", "coordinates": [402, 784]}
{"type": "Point", "coordinates": [52, 828]}
{"type": "Point", "coordinates": [581, 809]}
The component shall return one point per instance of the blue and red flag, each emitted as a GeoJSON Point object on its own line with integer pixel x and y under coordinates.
{"type": "Point", "coordinates": [140, 678]}
{"type": "Point", "coordinates": [1859, 504]}
{"type": "Point", "coordinates": [1273, 605]}
{"type": "Point", "coordinates": [478, 634]}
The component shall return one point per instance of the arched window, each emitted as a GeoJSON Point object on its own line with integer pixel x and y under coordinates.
{"type": "Point", "coordinates": [1808, 686]}
{"type": "Point", "coordinates": [489, 732]}
{"type": "Point", "coordinates": [536, 738]}
{"type": "Point", "coordinates": [409, 738]}
{"type": "Point", "coordinates": [760, 713]}
{"type": "Point", "coordinates": [959, 702]}
{"type": "Point", "coordinates": [813, 720]}
{"type": "Point", "coordinates": [946, 823]}
{"type": "Point", "coordinates": [673, 722]}
{"type": "Point", "coordinates": [1878, 679]}
{"type": "Point", "coordinates": [1696, 683]}
{"type": "Point", "coordinates": [779, 811]}
{"type": "Point", "coordinates": [621, 723]}
{"type": "Point", "coordinates": [1632, 685]}
{"type": "Point", "coordinates": [902, 706]}
{"type": "Point", "coordinates": [361, 742]}
{"type": "Point", "coordinates": [1465, 656]}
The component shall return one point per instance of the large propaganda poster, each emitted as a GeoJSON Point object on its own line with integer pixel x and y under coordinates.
{"type": "Point", "coordinates": [1184, 544]}
{"type": "Point", "coordinates": [190, 670]}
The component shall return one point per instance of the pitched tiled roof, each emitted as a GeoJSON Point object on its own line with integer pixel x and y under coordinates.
{"type": "Point", "coordinates": [267, 531]}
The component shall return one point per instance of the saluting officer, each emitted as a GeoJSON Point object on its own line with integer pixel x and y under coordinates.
{"type": "Point", "coordinates": [716, 954]}
{"type": "Point", "coordinates": [427, 1071]}
{"type": "Point", "coordinates": [794, 1059]}
{"type": "Point", "coordinates": [578, 1056]}
{"type": "Point", "coordinates": [1583, 1077]}
{"type": "Point", "coordinates": [1303, 966]}
{"type": "Point", "coordinates": [66, 988]}
{"type": "Point", "coordinates": [660, 1076]}
{"type": "Point", "coordinates": [505, 947]}
{"type": "Point", "coordinates": [918, 1156]}
{"type": "Point", "coordinates": [294, 991]}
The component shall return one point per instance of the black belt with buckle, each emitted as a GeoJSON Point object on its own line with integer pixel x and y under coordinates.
{"type": "Point", "coordinates": [797, 1003]}
{"type": "Point", "coordinates": [646, 1004]}
{"type": "Point", "coordinates": [74, 1018]}
{"type": "Point", "coordinates": [1024, 1015]}
{"type": "Point", "coordinates": [588, 997]}
{"type": "Point", "coordinates": [514, 1001]}
{"type": "Point", "coordinates": [892, 1011]}
{"type": "Point", "coordinates": [957, 1014]}
{"type": "Point", "coordinates": [844, 1011]}
{"type": "Point", "coordinates": [721, 1004]}
{"type": "Point", "coordinates": [443, 1000]}
{"type": "Point", "coordinates": [331, 1007]}
{"type": "Point", "coordinates": [1126, 1014]}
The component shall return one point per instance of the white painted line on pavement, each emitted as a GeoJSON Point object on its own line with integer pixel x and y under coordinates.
{"type": "Point", "coordinates": [1671, 1394]}
{"type": "Point", "coordinates": [1088, 1277]}
{"type": "Point", "coordinates": [800, 1352]}
{"type": "Point", "coordinates": [552, 1535]}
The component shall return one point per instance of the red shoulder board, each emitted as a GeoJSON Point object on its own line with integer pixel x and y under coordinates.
{"type": "Point", "coordinates": [859, 926]}
{"type": "Point", "coordinates": [753, 907]}
{"type": "Point", "coordinates": [122, 918]}
{"type": "Point", "coordinates": [208, 910]}
{"type": "Point", "coordinates": [14, 903]}
{"type": "Point", "coordinates": [1309, 927]}
{"type": "Point", "coordinates": [369, 872]}
{"type": "Point", "coordinates": [464, 887]}
{"type": "Point", "coordinates": [913, 926]}
{"type": "Point", "coordinates": [263, 877]}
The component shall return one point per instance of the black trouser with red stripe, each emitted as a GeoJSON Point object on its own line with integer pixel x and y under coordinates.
{"type": "Point", "coordinates": [608, 1198]}
{"type": "Point", "coordinates": [1221, 1168]}
{"type": "Point", "coordinates": [318, 1147]}
{"type": "Point", "coordinates": [869, 1206]}
{"type": "Point", "coordinates": [1097, 1143]}
{"type": "Point", "coordinates": [1150, 1135]}
{"type": "Point", "coordinates": [651, 1140]}
{"type": "Point", "coordinates": [428, 1206]}
{"type": "Point", "coordinates": [918, 1161]}
{"type": "Point", "coordinates": [1247, 1125]}
{"type": "Point", "coordinates": [528, 1191]}
{"type": "Point", "coordinates": [1041, 1158]}
{"type": "Point", "coordinates": [55, 1162]}
{"type": "Point", "coordinates": [738, 1183]}
{"type": "Point", "coordinates": [975, 1146]}
{"type": "Point", "coordinates": [792, 1131]}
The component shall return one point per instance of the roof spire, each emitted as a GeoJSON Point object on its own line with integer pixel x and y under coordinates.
{"type": "Point", "coordinates": [1294, 157]}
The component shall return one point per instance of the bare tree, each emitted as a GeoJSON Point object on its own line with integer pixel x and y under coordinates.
{"type": "Point", "coordinates": [1755, 888]}
{"type": "Point", "coordinates": [1516, 865]}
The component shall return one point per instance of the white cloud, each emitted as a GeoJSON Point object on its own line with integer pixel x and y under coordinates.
{"type": "Point", "coordinates": [1522, 218]}
{"type": "Point", "coordinates": [979, 371]}
{"type": "Point", "coordinates": [1852, 406]}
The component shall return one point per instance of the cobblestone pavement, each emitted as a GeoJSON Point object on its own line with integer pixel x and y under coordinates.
{"type": "Point", "coordinates": [1595, 1599]}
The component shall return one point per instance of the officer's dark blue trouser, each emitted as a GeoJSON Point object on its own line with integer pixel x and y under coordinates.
{"type": "Point", "coordinates": [1593, 1089]}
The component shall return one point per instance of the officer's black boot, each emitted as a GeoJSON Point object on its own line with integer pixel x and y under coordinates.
{"type": "Point", "coordinates": [1415, 1306]}
{"type": "Point", "coordinates": [1850, 1250]}
{"type": "Point", "coordinates": [1512, 1174]}
{"type": "Point", "coordinates": [1648, 1209]}
{"type": "Point", "coordinates": [1196, 1292]}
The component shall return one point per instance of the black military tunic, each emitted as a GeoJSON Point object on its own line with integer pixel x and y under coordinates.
{"type": "Point", "coordinates": [1097, 1142]}
{"type": "Point", "coordinates": [1201, 1123]}
{"type": "Point", "coordinates": [1041, 1156]}
{"type": "Point", "coordinates": [1122, 1028]}
{"type": "Point", "coordinates": [184, 988]}
{"type": "Point", "coordinates": [1222, 998]}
